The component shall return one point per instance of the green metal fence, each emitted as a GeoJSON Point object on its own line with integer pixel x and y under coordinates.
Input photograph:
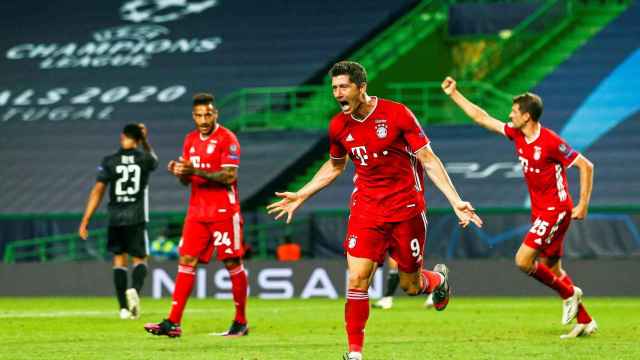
{"type": "Point", "coordinates": [432, 106]}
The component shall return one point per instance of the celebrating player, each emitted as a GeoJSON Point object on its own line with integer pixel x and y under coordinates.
{"type": "Point", "coordinates": [544, 157]}
{"type": "Point", "coordinates": [209, 163]}
{"type": "Point", "coordinates": [127, 174]}
{"type": "Point", "coordinates": [389, 151]}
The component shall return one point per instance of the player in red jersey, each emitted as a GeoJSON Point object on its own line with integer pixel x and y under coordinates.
{"type": "Point", "coordinates": [544, 157]}
{"type": "Point", "coordinates": [390, 151]}
{"type": "Point", "coordinates": [209, 163]}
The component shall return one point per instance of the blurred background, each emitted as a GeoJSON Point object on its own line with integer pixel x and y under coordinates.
{"type": "Point", "coordinates": [75, 72]}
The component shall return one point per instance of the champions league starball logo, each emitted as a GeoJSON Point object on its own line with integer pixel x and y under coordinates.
{"type": "Point", "coordinates": [160, 11]}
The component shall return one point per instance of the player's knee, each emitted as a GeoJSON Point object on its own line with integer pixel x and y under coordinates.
{"type": "Point", "coordinates": [230, 264]}
{"type": "Point", "coordinates": [358, 281]}
{"type": "Point", "coordinates": [410, 287]}
{"type": "Point", "coordinates": [188, 260]}
{"type": "Point", "coordinates": [524, 264]}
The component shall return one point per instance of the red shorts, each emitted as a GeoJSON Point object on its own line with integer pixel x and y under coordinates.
{"type": "Point", "coordinates": [548, 231]}
{"type": "Point", "coordinates": [200, 239]}
{"type": "Point", "coordinates": [372, 239]}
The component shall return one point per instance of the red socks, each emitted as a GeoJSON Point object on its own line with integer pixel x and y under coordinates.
{"type": "Point", "coordinates": [430, 281]}
{"type": "Point", "coordinates": [356, 313]}
{"type": "Point", "coordinates": [545, 276]}
{"type": "Point", "coordinates": [583, 316]}
{"type": "Point", "coordinates": [184, 285]}
{"type": "Point", "coordinates": [239, 290]}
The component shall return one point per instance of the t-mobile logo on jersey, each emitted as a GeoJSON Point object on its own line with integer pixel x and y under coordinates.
{"type": "Point", "coordinates": [360, 153]}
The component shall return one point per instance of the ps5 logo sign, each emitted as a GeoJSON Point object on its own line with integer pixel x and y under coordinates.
{"type": "Point", "coordinates": [160, 11]}
{"type": "Point", "coordinates": [474, 170]}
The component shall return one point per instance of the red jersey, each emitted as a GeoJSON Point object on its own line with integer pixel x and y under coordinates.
{"type": "Point", "coordinates": [211, 201]}
{"type": "Point", "coordinates": [544, 161]}
{"type": "Point", "coordinates": [388, 181]}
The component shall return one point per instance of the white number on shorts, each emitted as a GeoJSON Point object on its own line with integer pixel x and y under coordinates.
{"type": "Point", "coordinates": [415, 247]}
{"type": "Point", "coordinates": [221, 238]}
{"type": "Point", "coordinates": [539, 227]}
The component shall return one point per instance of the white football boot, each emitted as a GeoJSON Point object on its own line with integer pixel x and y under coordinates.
{"type": "Point", "coordinates": [581, 330]}
{"type": "Point", "coordinates": [133, 303]}
{"type": "Point", "coordinates": [429, 302]}
{"type": "Point", "coordinates": [570, 306]}
{"type": "Point", "coordinates": [125, 314]}
{"type": "Point", "coordinates": [384, 303]}
{"type": "Point", "coordinates": [352, 356]}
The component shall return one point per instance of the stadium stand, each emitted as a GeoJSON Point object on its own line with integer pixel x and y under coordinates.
{"type": "Point", "coordinates": [51, 153]}
{"type": "Point", "coordinates": [482, 166]}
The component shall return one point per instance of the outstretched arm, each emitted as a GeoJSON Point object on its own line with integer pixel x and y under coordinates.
{"type": "Point", "coordinates": [439, 176]}
{"type": "Point", "coordinates": [95, 198]}
{"type": "Point", "coordinates": [585, 166]}
{"type": "Point", "coordinates": [290, 201]}
{"type": "Point", "coordinates": [478, 114]}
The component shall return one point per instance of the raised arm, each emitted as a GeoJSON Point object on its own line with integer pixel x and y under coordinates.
{"type": "Point", "coordinates": [146, 146]}
{"type": "Point", "coordinates": [476, 113]}
{"type": "Point", "coordinates": [439, 176]}
{"type": "Point", "coordinates": [95, 198]}
{"type": "Point", "coordinates": [291, 201]}
{"type": "Point", "coordinates": [585, 166]}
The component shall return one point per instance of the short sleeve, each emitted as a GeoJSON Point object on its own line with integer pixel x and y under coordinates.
{"type": "Point", "coordinates": [103, 172]}
{"type": "Point", "coordinates": [186, 145]}
{"type": "Point", "coordinates": [561, 151]}
{"type": "Point", "coordinates": [509, 131]}
{"type": "Point", "coordinates": [230, 153]}
{"type": "Point", "coordinates": [336, 149]}
{"type": "Point", "coordinates": [411, 130]}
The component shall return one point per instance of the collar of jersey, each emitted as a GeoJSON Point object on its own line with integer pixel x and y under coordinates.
{"type": "Point", "coordinates": [210, 135]}
{"type": "Point", "coordinates": [369, 114]}
{"type": "Point", "coordinates": [535, 137]}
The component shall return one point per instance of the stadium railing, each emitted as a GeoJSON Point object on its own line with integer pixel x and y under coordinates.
{"type": "Point", "coordinates": [431, 105]}
{"type": "Point", "coordinates": [287, 107]}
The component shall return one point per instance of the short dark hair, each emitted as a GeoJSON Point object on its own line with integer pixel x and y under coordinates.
{"type": "Point", "coordinates": [133, 132]}
{"type": "Point", "coordinates": [203, 99]}
{"type": "Point", "coordinates": [357, 73]}
{"type": "Point", "coordinates": [530, 103]}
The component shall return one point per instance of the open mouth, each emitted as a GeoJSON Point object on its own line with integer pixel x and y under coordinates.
{"type": "Point", "coordinates": [344, 105]}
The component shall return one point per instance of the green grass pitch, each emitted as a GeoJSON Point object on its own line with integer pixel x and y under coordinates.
{"type": "Point", "coordinates": [471, 328]}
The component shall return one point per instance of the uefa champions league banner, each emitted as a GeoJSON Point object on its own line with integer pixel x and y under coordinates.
{"type": "Point", "coordinates": [104, 60]}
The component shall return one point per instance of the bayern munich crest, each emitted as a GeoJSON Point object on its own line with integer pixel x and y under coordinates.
{"type": "Point", "coordinates": [381, 131]}
{"type": "Point", "coordinates": [537, 151]}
